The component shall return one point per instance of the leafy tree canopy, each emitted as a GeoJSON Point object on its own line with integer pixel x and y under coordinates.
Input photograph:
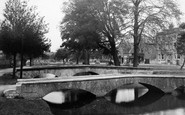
{"type": "Point", "coordinates": [62, 53]}
{"type": "Point", "coordinates": [23, 25]}
{"type": "Point", "coordinates": [22, 31]}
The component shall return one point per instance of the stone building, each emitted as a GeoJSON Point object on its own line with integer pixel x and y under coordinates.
{"type": "Point", "coordinates": [124, 49]}
{"type": "Point", "coordinates": [147, 51]}
{"type": "Point", "coordinates": [166, 51]}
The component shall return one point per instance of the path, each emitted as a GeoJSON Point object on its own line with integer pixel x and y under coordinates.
{"type": "Point", "coordinates": [3, 71]}
{"type": "Point", "coordinates": [2, 86]}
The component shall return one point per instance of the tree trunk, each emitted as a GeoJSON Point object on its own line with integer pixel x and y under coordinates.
{"type": "Point", "coordinates": [21, 68]}
{"type": "Point", "coordinates": [183, 64]}
{"type": "Point", "coordinates": [115, 56]}
{"type": "Point", "coordinates": [77, 57]}
{"type": "Point", "coordinates": [77, 60]}
{"type": "Point", "coordinates": [86, 60]}
{"type": "Point", "coordinates": [30, 61]}
{"type": "Point", "coordinates": [14, 65]}
{"type": "Point", "coordinates": [136, 34]}
{"type": "Point", "coordinates": [136, 52]}
{"type": "Point", "coordinates": [114, 52]}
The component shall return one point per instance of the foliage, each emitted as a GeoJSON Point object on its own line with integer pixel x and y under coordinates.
{"type": "Point", "coordinates": [113, 19]}
{"type": "Point", "coordinates": [78, 29]}
{"type": "Point", "coordinates": [22, 30]}
{"type": "Point", "coordinates": [99, 17]}
{"type": "Point", "coordinates": [62, 53]}
{"type": "Point", "coordinates": [180, 44]}
{"type": "Point", "coordinates": [22, 24]}
{"type": "Point", "coordinates": [147, 17]}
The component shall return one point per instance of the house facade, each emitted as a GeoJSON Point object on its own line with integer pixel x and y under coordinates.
{"type": "Point", "coordinates": [124, 49]}
{"type": "Point", "coordinates": [166, 51]}
{"type": "Point", "coordinates": [147, 51]}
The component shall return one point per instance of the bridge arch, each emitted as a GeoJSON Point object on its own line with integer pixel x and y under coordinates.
{"type": "Point", "coordinates": [86, 73]}
{"type": "Point", "coordinates": [99, 85]}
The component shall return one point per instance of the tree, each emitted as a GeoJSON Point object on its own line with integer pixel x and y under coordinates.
{"type": "Point", "coordinates": [180, 44]}
{"type": "Point", "coordinates": [110, 15]}
{"type": "Point", "coordinates": [62, 53]}
{"type": "Point", "coordinates": [74, 48]}
{"type": "Point", "coordinates": [117, 18]}
{"type": "Point", "coordinates": [22, 31]}
{"type": "Point", "coordinates": [146, 17]}
{"type": "Point", "coordinates": [78, 30]}
{"type": "Point", "coordinates": [8, 45]}
{"type": "Point", "coordinates": [104, 19]}
{"type": "Point", "coordinates": [35, 44]}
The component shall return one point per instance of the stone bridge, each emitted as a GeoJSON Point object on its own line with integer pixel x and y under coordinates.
{"type": "Point", "coordinates": [99, 85]}
{"type": "Point", "coordinates": [66, 71]}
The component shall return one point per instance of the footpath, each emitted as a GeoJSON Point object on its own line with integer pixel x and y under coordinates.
{"type": "Point", "coordinates": [6, 81]}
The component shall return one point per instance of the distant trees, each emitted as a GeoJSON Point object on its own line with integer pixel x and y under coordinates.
{"type": "Point", "coordinates": [78, 30]}
{"type": "Point", "coordinates": [113, 19]}
{"type": "Point", "coordinates": [62, 54]}
{"type": "Point", "coordinates": [96, 21]}
{"type": "Point", "coordinates": [22, 31]}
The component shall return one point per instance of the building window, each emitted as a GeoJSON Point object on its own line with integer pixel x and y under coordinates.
{"type": "Point", "coordinates": [162, 56]}
{"type": "Point", "coordinates": [159, 56]}
{"type": "Point", "coordinates": [178, 56]}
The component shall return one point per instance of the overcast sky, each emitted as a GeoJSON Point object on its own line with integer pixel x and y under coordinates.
{"type": "Point", "coordinates": [51, 9]}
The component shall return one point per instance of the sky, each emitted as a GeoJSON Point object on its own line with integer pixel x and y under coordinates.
{"type": "Point", "coordinates": [52, 11]}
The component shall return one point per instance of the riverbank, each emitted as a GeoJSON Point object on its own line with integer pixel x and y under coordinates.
{"type": "Point", "coordinates": [19, 106]}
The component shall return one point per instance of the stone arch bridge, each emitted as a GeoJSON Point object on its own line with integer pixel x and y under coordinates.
{"type": "Point", "coordinates": [99, 85]}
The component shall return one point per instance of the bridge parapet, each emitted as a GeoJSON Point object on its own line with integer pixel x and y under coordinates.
{"type": "Point", "coordinates": [67, 71]}
{"type": "Point", "coordinates": [96, 84]}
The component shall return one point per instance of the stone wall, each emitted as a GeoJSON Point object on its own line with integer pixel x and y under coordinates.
{"type": "Point", "coordinates": [99, 85]}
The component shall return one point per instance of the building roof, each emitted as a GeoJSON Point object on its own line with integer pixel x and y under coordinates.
{"type": "Point", "coordinates": [170, 31]}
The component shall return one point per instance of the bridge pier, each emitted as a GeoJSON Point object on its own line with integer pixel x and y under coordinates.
{"type": "Point", "coordinates": [99, 85]}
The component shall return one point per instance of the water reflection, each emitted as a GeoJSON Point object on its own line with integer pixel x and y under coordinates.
{"type": "Point", "coordinates": [129, 95]}
{"type": "Point", "coordinates": [68, 99]}
{"type": "Point", "coordinates": [164, 105]}
{"type": "Point", "coordinates": [134, 95]}
{"type": "Point", "coordinates": [179, 92]}
{"type": "Point", "coordinates": [179, 111]}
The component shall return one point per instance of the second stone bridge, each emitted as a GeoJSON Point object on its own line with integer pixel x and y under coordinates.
{"type": "Point", "coordinates": [75, 70]}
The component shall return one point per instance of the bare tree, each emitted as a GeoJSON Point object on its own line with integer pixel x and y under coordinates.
{"type": "Point", "coordinates": [147, 17]}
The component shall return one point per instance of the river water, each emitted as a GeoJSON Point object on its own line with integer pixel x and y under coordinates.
{"type": "Point", "coordinates": [127, 100]}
